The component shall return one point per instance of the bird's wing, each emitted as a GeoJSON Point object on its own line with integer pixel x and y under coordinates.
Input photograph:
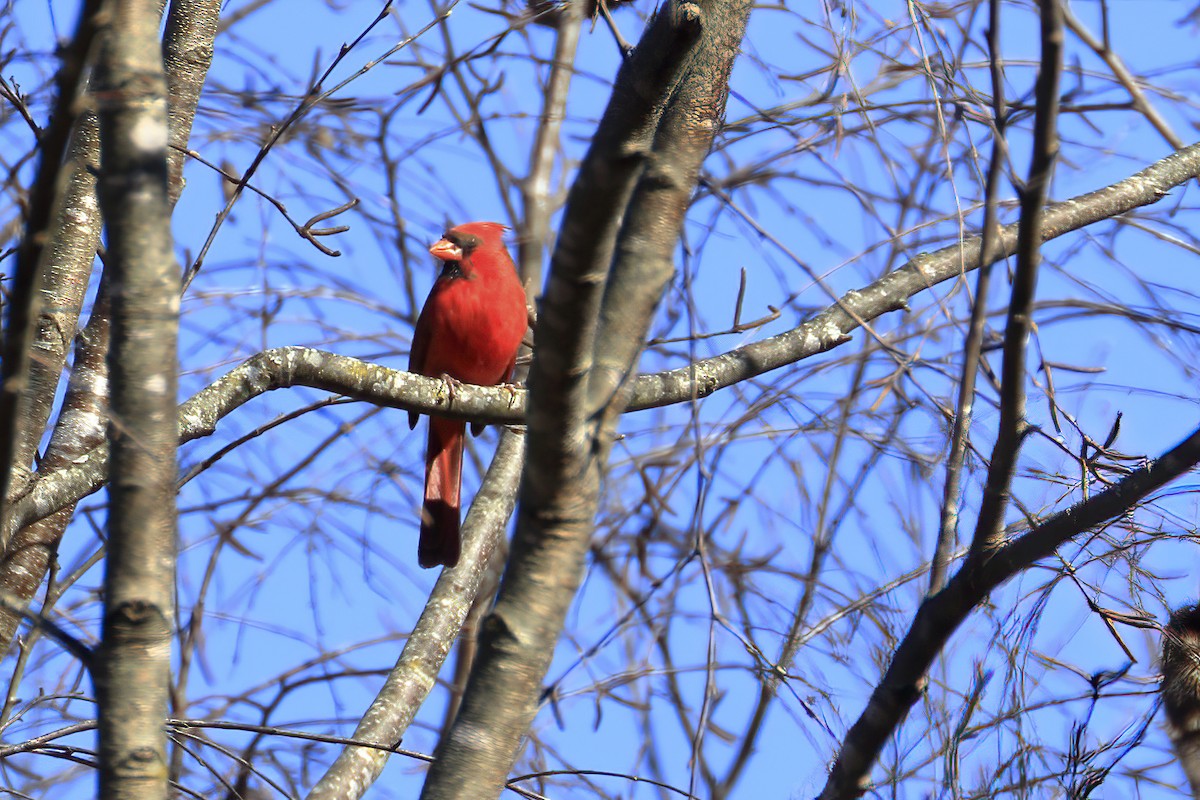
{"type": "Point", "coordinates": [417, 356]}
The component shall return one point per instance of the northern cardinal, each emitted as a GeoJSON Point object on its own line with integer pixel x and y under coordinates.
{"type": "Point", "coordinates": [469, 330]}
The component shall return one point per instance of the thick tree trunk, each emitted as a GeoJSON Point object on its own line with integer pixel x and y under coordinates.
{"type": "Point", "coordinates": [614, 257]}
{"type": "Point", "coordinates": [132, 666]}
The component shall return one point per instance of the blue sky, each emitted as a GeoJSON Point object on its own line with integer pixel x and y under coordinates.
{"type": "Point", "coordinates": [328, 561]}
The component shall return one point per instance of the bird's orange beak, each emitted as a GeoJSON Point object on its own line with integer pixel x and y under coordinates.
{"type": "Point", "coordinates": [447, 250]}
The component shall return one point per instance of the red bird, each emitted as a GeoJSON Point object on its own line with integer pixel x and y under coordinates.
{"type": "Point", "coordinates": [470, 330]}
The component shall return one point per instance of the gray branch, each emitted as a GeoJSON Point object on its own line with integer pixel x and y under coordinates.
{"type": "Point", "coordinates": [1002, 466]}
{"type": "Point", "coordinates": [296, 366]}
{"type": "Point", "coordinates": [28, 381]}
{"type": "Point", "coordinates": [69, 253]}
{"type": "Point", "coordinates": [133, 665]}
{"type": "Point", "coordinates": [187, 49]}
{"type": "Point", "coordinates": [605, 284]}
{"type": "Point", "coordinates": [416, 671]}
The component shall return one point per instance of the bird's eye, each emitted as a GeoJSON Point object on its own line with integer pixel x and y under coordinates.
{"type": "Point", "coordinates": [466, 242]}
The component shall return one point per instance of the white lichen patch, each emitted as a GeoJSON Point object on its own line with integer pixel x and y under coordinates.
{"type": "Point", "coordinates": [149, 134]}
{"type": "Point", "coordinates": [190, 422]}
{"type": "Point", "coordinates": [77, 216]}
{"type": "Point", "coordinates": [829, 331]}
{"type": "Point", "coordinates": [95, 381]}
{"type": "Point", "coordinates": [86, 422]}
{"type": "Point", "coordinates": [156, 384]}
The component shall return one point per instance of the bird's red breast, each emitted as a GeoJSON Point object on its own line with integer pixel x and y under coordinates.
{"type": "Point", "coordinates": [474, 319]}
{"type": "Point", "coordinates": [469, 329]}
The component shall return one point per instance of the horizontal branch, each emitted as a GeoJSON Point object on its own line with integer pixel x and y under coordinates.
{"type": "Point", "coordinates": [287, 367]}
{"type": "Point", "coordinates": [831, 327]}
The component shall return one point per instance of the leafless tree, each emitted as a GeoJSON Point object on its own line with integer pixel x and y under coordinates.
{"type": "Point", "coordinates": [853, 457]}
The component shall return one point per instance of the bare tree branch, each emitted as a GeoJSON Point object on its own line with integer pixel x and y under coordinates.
{"type": "Point", "coordinates": [829, 328]}
{"type": "Point", "coordinates": [755, 558]}
{"type": "Point", "coordinates": [663, 115]}
{"type": "Point", "coordinates": [187, 49]}
{"type": "Point", "coordinates": [413, 677]}
{"type": "Point", "coordinates": [973, 346]}
{"type": "Point", "coordinates": [296, 366]}
{"type": "Point", "coordinates": [1013, 425]}
{"type": "Point", "coordinates": [940, 616]}
{"type": "Point", "coordinates": [70, 251]}
{"type": "Point", "coordinates": [535, 190]}
{"type": "Point", "coordinates": [1130, 82]}
{"type": "Point", "coordinates": [132, 667]}
{"type": "Point", "coordinates": [80, 428]}
{"type": "Point", "coordinates": [27, 384]}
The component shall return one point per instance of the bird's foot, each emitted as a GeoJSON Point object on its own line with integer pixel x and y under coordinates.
{"type": "Point", "coordinates": [512, 390]}
{"type": "Point", "coordinates": [452, 385]}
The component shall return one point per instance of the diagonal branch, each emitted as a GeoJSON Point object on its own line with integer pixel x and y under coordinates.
{"type": "Point", "coordinates": [69, 253]}
{"type": "Point", "coordinates": [410, 681]}
{"type": "Point", "coordinates": [27, 385]}
{"type": "Point", "coordinates": [656, 125]}
{"type": "Point", "coordinates": [939, 617]}
{"type": "Point", "coordinates": [973, 346]}
{"type": "Point", "coordinates": [905, 679]}
{"type": "Point", "coordinates": [829, 328]}
{"type": "Point", "coordinates": [187, 49]}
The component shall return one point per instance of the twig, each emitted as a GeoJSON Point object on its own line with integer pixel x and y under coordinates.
{"type": "Point", "coordinates": [1013, 426]}
{"type": "Point", "coordinates": [973, 346]}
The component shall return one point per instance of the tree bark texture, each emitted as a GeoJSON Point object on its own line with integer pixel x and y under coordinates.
{"type": "Point", "coordinates": [416, 671]}
{"type": "Point", "coordinates": [34, 323]}
{"type": "Point", "coordinates": [67, 255]}
{"type": "Point", "coordinates": [132, 666]}
{"type": "Point", "coordinates": [828, 329]}
{"type": "Point", "coordinates": [187, 49]}
{"type": "Point", "coordinates": [613, 258]}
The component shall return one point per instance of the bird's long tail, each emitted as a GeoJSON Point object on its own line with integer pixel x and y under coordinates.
{"type": "Point", "coordinates": [443, 478]}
